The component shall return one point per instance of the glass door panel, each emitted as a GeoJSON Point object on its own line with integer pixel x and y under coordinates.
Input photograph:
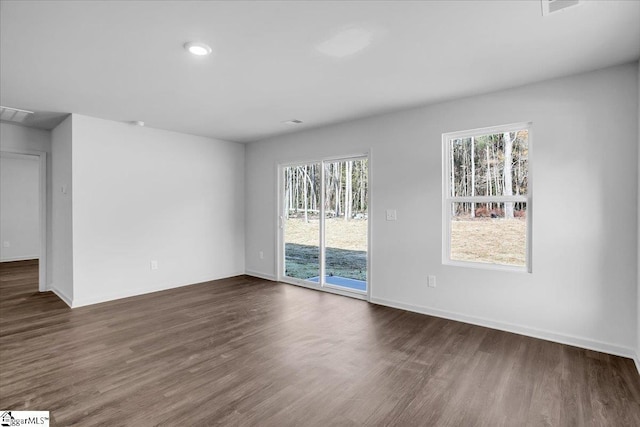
{"type": "Point", "coordinates": [301, 221]}
{"type": "Point", "coordinates": [346, 196]}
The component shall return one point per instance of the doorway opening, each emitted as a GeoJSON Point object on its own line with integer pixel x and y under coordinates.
{"type": "Point", "coordinates": [324, 225]}
{"type": "Point", "coordinates": [23, 225]}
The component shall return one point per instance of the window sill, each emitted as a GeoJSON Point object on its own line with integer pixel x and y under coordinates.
{"type": "Point", "coordinates": [487, 266]}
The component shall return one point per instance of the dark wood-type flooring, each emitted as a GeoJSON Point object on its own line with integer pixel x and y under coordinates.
{"type": "Point", "coordinates": [245, 351]}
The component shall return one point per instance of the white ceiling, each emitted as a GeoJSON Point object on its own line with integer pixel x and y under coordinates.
{"type": "Point", "coordinates": [125, 60]}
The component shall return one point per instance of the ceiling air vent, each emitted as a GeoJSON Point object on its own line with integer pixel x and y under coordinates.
{"type": "Point", "coordinates": [9, 114]}
{"type": "Point", "coordinates": [552, 6]}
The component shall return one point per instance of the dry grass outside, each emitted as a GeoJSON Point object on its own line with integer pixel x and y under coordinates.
{"type": "Point", "coordinates": [496, 241]}
{"type": "Point", "coordinates": [341, 234]}
{"type": "Point", "coordinates": [490, 240]}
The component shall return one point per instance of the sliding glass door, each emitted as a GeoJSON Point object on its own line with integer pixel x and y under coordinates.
{"type": "Point", "coordinates": [324, 224]}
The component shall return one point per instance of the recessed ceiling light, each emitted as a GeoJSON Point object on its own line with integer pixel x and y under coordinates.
{"type": "Point", "coordinates": [346, 42]}
{"type": "Point", "coordinates": [292, 122]}
{"type": "Point", "coordinates": [199, 49]}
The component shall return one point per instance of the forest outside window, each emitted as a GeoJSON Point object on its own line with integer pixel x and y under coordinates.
{"type": "Point", "coordinates": [487, 197]}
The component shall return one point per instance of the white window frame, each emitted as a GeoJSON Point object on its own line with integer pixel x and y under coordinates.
{"type": "Point", "coordinates": [448, 200]}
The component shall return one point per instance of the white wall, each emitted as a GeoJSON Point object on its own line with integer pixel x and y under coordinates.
{"type": "Point", "coordinates": [585, 159]}
{"type": "Point", "coordinates": [62, 249]}
{"type": "Point", "coordinates": [142, 194]}
{"type": "Point", "coordinates": [19, 207]}
{"type": "Point", "coordinates": [637, 359]}
{"type": "Point", "coordinates": [16, 137]}
{"type": "Point", "coordinates": [20, 138]}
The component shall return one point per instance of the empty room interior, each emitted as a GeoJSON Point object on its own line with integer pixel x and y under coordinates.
{"type": "Point", "coordinates": [320, 213]}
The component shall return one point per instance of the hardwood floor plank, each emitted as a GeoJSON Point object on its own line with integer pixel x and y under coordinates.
{"type": "Point", "coordinates": [245, 351]}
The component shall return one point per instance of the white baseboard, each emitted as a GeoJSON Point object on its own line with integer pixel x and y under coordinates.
{"type": "Point", "coordinates": [64, 297]}
{"type": "Point", "coordinates": [261, 275]}
{"type": "Point", "coordinates": [586, 343]}
{"type": "Point", "coordinates": [81, 302]}
{"type": "Point", "coordinates": [20, 258]}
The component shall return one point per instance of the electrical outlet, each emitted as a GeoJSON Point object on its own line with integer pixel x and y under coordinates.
{"type": "Point", "coordinates": [392, 215]}
{"type": "Point", "coordinates": [261, 255]}
{"type": "Point", "coordinates": [432, 281]}
{"type": "Point", "coordinates": [154, 264]}
{"type": "Point", "coordinates": [6, 244]}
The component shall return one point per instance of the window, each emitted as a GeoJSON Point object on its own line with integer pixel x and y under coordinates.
{"type": "Point", "coordinates": [487, 197]}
